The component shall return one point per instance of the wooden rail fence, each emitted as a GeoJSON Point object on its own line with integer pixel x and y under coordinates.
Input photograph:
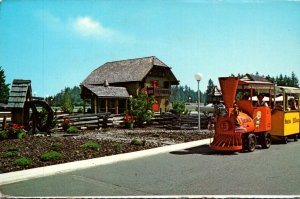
{"type": "Point", "coordinates": [169, 120]}
{"type": "Point", "coordinates": [105, 120]}
{"type": "Point", "coordinates": [5, 117]}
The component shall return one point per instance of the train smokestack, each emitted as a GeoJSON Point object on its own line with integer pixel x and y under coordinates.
{"type": "Point", "coordinates": [228, 89]}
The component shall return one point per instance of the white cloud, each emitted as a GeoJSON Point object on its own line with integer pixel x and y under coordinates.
{"type": "Point", "coordinates": [87, 27]}
{"type": "Point", "coordinates": [83, 26]}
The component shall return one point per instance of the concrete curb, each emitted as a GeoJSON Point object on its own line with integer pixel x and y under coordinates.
{"type": "Point", "coordinates": [8, 178]}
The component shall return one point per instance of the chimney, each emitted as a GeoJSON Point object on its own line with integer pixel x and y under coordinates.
{"type": "Point", "coordinates": [228, 88]}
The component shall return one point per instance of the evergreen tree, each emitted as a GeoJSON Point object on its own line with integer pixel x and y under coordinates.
{"type": "Point", "coordinates": [67, 105]}
{"type": "Point", "coordinates": [294, 80]}
{"type": "Point", "coordinates": [280, 81]}
{"type": "Point", "coordinates": [238, 75]}
{"type": "Point", "coordinates": [185, 94]}
{"type": "Point", "coordinates": [4, 88]}
{"type": "Point", "coordinates": [74, 94]}
{"type": "Point", "coordinates": [286, 80]}
{"type": "Point", "coordinates": [271, 79]}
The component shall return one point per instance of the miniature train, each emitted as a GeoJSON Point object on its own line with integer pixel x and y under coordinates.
{"type": "Point", "coordinates": [243, 125]}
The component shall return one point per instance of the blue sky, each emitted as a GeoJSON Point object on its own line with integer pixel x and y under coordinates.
{"type": "Point", "coordinates": [57, 43]}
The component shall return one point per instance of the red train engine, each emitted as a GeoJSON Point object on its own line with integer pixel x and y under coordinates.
{"type": "Point", "coordinates": [242, 125]}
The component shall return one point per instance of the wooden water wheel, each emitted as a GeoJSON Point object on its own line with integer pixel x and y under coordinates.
{"type": "Point", "coordinates": [40, 116]}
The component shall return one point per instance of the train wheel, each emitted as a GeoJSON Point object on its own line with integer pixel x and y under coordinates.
{"type": "Point", "coordinates": [265, 140]}
{"type": "Point", "coordinates": [284, 139]}
{"type": "Point", "coordinates": [251, 143]}
{"type": "Point", "coordinates": [296, 137]}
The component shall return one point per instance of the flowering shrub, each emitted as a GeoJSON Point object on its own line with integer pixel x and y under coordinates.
{"type": "Point", "coordinates": [16, 131]}
{"type": "Point", "coordinates": [140, 108]}
{"type": "Point", "coordinates": [129, 120]}
{"type": "Point", "coordinates": [66, 123]}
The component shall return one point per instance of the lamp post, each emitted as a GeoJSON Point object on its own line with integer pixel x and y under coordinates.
{"type": "Point", "coordinates": [198, 78]}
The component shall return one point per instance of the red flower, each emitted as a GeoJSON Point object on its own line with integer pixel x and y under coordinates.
{"type": "Point", "coordinates": [68, 120]}
{"type": "Point", "coordinates": [17, 126]}
{"type": "Point", "coordinates": [129, 118]}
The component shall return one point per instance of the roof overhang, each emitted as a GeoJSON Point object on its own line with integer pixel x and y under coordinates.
{"type": "Point", "coordinates": [262, 85]}
{"type": "Point", "coordinates": [108, 91]}
{"type": "Point", "coordinates": [286, 89]}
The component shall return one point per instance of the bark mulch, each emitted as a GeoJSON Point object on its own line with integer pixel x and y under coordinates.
{"type": "Point", "coordinates": [110, 142]}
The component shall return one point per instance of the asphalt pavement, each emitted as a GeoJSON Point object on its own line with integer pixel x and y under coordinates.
{"type": "Point", "coordinates": [182, 171]}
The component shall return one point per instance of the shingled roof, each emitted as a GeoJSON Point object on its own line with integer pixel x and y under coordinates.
{"type": "Point", "coordinates": [108, 91]}
{"type": "Point", "coordinates": [20, 91]}
{"type": "Point", "coordinates": [251, 77]}
{"type": "Point", "coordinates": [130, 70]}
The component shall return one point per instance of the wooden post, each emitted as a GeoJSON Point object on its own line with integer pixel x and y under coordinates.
{"type": "Point", "coordinates": [84, 106]}
{"type": "Point", "coordinates": [95, 104]}
{"type": "Point", "coordinates": [106, 106]}
{"type": "Point", "coordinates": [98, 118]}
{"type": "Point", "coordinates": [34, 124]}
{"type": "Point", "coordinates": [3, 122]}
{"type": "Point", "coordinates": [117, 106]}
{"type": "Point", "coordinates": [105, 121]}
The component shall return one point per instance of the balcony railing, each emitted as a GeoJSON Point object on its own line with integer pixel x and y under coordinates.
{"type": "Point", "coordinates": [159, 91]}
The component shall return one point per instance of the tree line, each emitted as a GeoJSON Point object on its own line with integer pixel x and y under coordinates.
{"type": "Point", "coordinates": [186, 94]}
{"type": "Point", "coordinates": [71, 96]}
{"type": "Point", "coordinates": [72, 93]}
{"type": "Point", "coordinates": [280, 80]}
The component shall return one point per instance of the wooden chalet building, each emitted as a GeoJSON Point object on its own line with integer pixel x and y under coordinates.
{"type": "Point", "coordinates": [108, 87]}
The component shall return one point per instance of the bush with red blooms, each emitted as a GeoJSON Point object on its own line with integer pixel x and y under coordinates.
{"type": "Point", "coordinates": [67, 123]}
{"type": "Point", "coordinates": [13, 131]}
{"type": "Point", "coordinates": [129, 120]}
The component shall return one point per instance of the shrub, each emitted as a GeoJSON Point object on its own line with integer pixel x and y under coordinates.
{"type": "Point", "coordinates": [51, 155]}
{"type": "Point", "coordinates": [67, 105]}
{"type": "Point", "coordinates": [117, 145]}
{"type": "Point", "coordinates": [56, 146]}
{"type": "Point", "coordinates": [183, 133]}
{"type": "Point", "coordinates": [23, 161]}
{"type": "Point", "coordinates": [3, 135]}
{"type": "Point", "coordinates": [16, 131]}
{"type": "Point", "coordinates": [138, 142]}
{"type": "Point", "coordinates": [72, 130]}
{"type": "Point", "coordinates": [140, 108]}
{"type": "Point", "coordinates": [12, 152]}
{"type": "Point", "coordinates": [129, 125]}
{"type": "Point", "coordinates": [80, 110]}
{"type": "Point", "coordinates": [178, 108]}
{"type": "Point", "coordinates": [21, 134]}
{"type": "Point", "coordinates": [91, 145]}
{"type": "Point", "coordinates": [13, 149]}
{"type": "Point", "coordinates": [66, 124]}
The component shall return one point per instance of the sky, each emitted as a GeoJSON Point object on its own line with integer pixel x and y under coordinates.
{"type": "Point", "coordinates": [58, 43]}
